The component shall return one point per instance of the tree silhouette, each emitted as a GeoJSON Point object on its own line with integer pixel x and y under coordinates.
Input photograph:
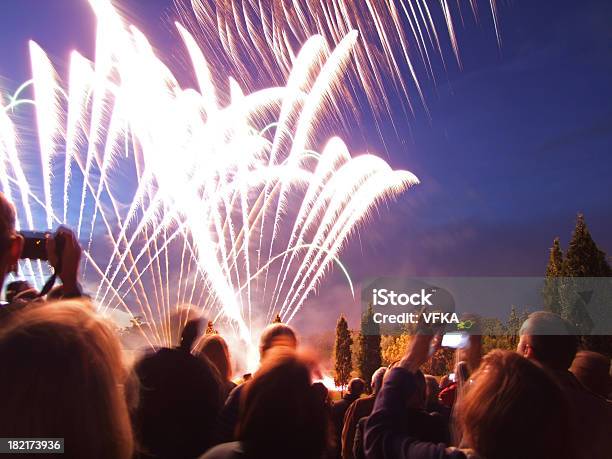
{"type": "Point", "coordinates": [368, 350]}
{"type": "Point", "coordinates": [586, 302]}
{"type": "Point", "coordinates": [583, 258]}
{"type": "Point", "coordinates": [342, 353]}
{"type": "Point", "coordinates": [554, 270]}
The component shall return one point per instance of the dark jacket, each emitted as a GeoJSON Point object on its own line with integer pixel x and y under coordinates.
{"type": "Point", "coordinates": [228, 417]}
{"type": "Point", "coordinates": [390, 433]}
{"type": "Point", "coordinates": [360, 408]}
{"type": "Point", "coordinates": [590, 418]}
{"type": "Point", "coordinates": [358, 446]}
{"type": "Point", "coordinates": [339, 409]}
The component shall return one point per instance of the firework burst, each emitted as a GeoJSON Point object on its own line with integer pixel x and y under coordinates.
{"type": "Point", "coordinates": [180, 199]}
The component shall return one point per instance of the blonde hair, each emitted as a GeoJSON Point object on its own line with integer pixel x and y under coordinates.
{"type": "Point", "coordinates": [512, 408]}
{"type": "Point", "coordinates": [62, 376]}
{"type": "Point", "coordinates": [215, 349]}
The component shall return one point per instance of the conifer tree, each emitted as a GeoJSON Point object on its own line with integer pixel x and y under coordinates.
{"type": "Point", "coordinates": [368, 351]}
{"type": "Point", "coordinates": [554, 270]}
{"type": "Point", "coordinates": [513, 326]}
{"type": "Point", "coordinates": [342, 353]}
{"type": "Point", "coordinates": [583, 258]}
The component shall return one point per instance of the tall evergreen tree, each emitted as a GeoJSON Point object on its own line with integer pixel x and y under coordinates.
{"type": "Point", "coordinates": [513, 325]}
{"type": "Point", "coordinates": [554, 270]}
{"type": "Point", "coordinates": [368, 351]}
{"type": "Point", "coordinates": [583, 258]}
{"type": "Point", "coordinates": [342, 353]}
{"type": "Point", "coordinates": [580, 304]}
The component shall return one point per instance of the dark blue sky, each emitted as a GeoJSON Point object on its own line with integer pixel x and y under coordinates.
{"type": "Point", "coordinates": [518, 142]}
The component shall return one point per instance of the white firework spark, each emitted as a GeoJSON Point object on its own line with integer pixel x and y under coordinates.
{"type": "Point", "coordinates": [181, 199]}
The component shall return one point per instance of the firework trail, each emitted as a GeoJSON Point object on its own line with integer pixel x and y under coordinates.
{"type": "Point", "coordinates": [400, 41]}
{"type": "Point", "coordinates": [180, 198]}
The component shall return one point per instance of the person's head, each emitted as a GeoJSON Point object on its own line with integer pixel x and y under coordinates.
{"type": "Point", "coordinates": [432, 388]}
{"type": "Point", "coordinates": [277, 334]}
{"type": "Point", "coordinates": [548, 339]}
{"type": "Point", "coordinates": [513, 408]}
{"type": "Point", "coordinates": [11, 243]}
{"type": "Point", "coordinates": [20, 289]}
{"type": "Point", "coordinates": [215, 349]}
{"type": "Point", "coordinates": [63, 376]}
{"type": "Point", "coordinates": [356, 386]}
{"type": "Point", "coordinates": [281, 413]}
{"type": "Point", "coordinates": [190, 333]}
{"type": "Point", "coordinates": [321, 392]}
{"type": "Point", "coordinates": [593, 371]}
{"type": "Point", "coordinates": [377, 379]}
{"type": "Point", "coordinates": [179, 400]}
{"type": "Point", "coordinates": [185, 325]}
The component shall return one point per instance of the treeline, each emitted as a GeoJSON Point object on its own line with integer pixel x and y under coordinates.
{"type": "Point", "coordinates": [360, 354]}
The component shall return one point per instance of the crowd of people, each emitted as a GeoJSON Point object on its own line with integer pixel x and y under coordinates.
{"type": "Point", "coordinates": [63, 375]}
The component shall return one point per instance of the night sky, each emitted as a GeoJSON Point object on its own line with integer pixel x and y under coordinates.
{"type": "Point", "coordinates": [516, 143]}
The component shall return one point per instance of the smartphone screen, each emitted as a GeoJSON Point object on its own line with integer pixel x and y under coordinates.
{"type": "Point", "coordinates": [455, 340]}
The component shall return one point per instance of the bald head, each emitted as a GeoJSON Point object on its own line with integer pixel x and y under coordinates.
{"type": "Point", "coordinates": [277, 334]}
{"type": "Point", "coordinates": [548, 339]}
{"type": "Point", "coordinates": [377, 379]}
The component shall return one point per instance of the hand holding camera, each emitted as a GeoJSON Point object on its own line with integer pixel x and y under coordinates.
{"type": "Point", "coordinates": [61, 249]}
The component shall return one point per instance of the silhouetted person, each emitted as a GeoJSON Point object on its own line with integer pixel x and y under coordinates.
{"type": "Point", "coordinates": [61, 375]}
{"type": "Point", "coordinates": [416, 422]}
{"type": "Point", "coordinates": [360, 408]}
{"type": "Point", "coordinates": [282, 415]}
{"type": "Point", "coordinates": [550, 341]}
{"type": "Point", "coordinates": [11, 246]}
{"type": "Point", "coordinates": [180, 398]}
{"type": "Point", "coordinates": [511, 409]}
{"type": "Point", "coordinates": [356, 387]}
{"type": "Point", "coordinates": [214, 348]}
{"type": "Point", "coordinates": [358, 441]}
{"type": "Point", "coordinates": [321, 392]}
{"type": "Point", "coordinates": [593, 371]}
{"type": "Point", "coordinates": [11, 243]}
{"type": "Point", "coordinates": [20, 290]}
{"type": "Point", "coordinates": [275, 335]}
